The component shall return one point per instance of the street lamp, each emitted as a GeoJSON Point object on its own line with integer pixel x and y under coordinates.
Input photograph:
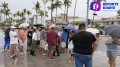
{"type": "Point", "coordinates": [94, 14]}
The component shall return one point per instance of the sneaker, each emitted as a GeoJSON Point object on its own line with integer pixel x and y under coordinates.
{"type": "Point", "coordinates": [21, 53]}
{"type": "Point", "coordinates": [12, 55]}
{"type": "Point", "coordinates": [44, 54]}
{"type": "Point", "coordinates": [70, 61]}
{"type": "Point", "coordinates": [3, 50]}
{"type": "Point", "coordinates": [51, 58]}
{"type": "Point", "coordinates": [8, 50]}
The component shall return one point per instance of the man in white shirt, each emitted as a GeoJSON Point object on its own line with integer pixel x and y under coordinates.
{"type": "Point", "coordinates": [13, 41]}
{"type": "Point", "coordinates": [34, 42]}
{"type": "Point", "coordinates": [38, 40]}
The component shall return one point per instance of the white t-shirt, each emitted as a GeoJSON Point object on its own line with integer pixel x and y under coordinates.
{"type": "Point", "coordinates": [13, 39]}
{"type": "Point", "coordinates": [59, 33]}
{"type": "Point", "coordinates": [38, 35]}
{"type": "Point", "coordinates": [34, 36]}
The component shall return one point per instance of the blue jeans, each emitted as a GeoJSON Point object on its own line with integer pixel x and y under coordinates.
{"type": "Point", "coordinates": [81, 59]}
{"type": "Point", "coordinates": [7, 43]}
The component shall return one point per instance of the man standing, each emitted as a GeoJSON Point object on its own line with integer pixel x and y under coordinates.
{"type": "Point", "coordinates": [84, 46]}
{"type": "Point", "coordinates": [42, 40]}
{"type": "Point", "coordinates": [13, 41]}
{"type": "Point", "coordinates": [52, 39]}
{"type": "Point", "coordinates": [29, 38]}
{"type": "Point", "coordinates": [7, 39]}
{"type": "Point", "coordinates": [22, 38]}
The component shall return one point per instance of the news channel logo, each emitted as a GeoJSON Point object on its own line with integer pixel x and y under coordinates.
{"type": "Point", "coordinates": [105, 6]}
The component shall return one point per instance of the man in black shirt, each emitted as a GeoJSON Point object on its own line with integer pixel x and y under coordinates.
{"type": "Point", "coordinates": [7, 39]}
{"type": "Point", "coordinates": [84, 46]}
{"type": "Point", "coordinates": [29, 38]}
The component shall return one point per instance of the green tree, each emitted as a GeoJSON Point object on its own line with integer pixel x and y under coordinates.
{"type": "Point", "coordinates": [37, 8]}
{"type": "Point", "coordinates": [28, 13]}
{"type": "Point", "coordinates": [41, 14]}
{"type": "Point", "coordinates": [7, 13]}
{"type": "Point", "coordinates": [57, 5]}
{"type": "Point", "coordinates": [118, 12]}
{"type": "Point", "coordinates": [67, 4]}
{"type": "Point", "coordinates": [18, 15]}
{"type": "Point", "coordinates": [5, 6]}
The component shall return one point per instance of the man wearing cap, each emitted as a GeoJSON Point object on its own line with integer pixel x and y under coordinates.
{"type": "Point", "coordinates": [22, 38]}
{"type": "Point", "coordinates": [84, 46]}
{"type": "Point", "coordinates": [52, 39]}
{"type": "Point", "coordinates": [13, 40]}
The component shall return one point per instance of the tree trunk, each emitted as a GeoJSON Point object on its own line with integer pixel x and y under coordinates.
{"type": "Point", "coordinates": [65, 13]}
{"type": "Point", "coordinates": [56, 16]}
{"type": "Point", "coordinates": [41, 19]}
{"type": "Point", "coordinates": [28, 20]}
{"type": "Point", "coordinates": [4, 17]}
{"type": "Point", "coordinates": [36, 16]}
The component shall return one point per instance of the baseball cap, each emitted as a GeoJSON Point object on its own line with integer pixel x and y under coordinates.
{"type": "Point", "coordinates": [12, 27]}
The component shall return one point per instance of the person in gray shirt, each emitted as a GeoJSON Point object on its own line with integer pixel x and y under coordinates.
{"type": "Point", "coordinates": [42, 41]}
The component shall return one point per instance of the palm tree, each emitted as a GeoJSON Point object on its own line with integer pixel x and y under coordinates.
{"type": "Point", "coordinates": [22, 15]}
{"type": "Point", "coordinates": [18, 14]}
{"type": "Point", "coordinates": [28, 13]}
{"type": "Point", "coordinates": [7, 13]}
{"type": "Point", "coordinates": [37, 8]}
{"type": "Point", "coordinates": [52, 7]}
{"type": "Point", "coordinates": [118, 12]}
{"type": "Point", "coordinates": [25, 10]}
{"type": "Point", "coordinates": [1, 12]}
{"type": "Point", "coordinates": [5, 6]}
{"type": "Point", "coordinates": [67, 4]}
{"type": "Point", "coordinates": [57, 5]}
{"type": "Point", "coordinates": [41, 14]}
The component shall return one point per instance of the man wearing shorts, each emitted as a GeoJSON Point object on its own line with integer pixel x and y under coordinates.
{"type": "Point", "coordinates": [42, 40]}
{"type": "Point", "coordinates": [22, 38]}
{"type": "Point", "coordinates": [13, 41]}
{"type": "Point", "coordinates": [52, 39]}
{"type": "Point", "coordinates": [29, 38]}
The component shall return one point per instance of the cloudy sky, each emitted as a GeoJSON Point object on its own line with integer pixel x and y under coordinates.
{"type": "Point", "coordinates": [16, 5]}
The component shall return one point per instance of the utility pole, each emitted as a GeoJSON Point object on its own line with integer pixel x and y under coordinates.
{"type": "Point", "coordinates": [87, 14]}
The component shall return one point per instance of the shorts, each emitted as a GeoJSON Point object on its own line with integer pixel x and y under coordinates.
{"type": "Point", "coordinates": [70, 51]}
{"type": "Point", "coordinates": [38, 42]}
{"type": "Point", "coordinates": [21, 43]}
{"type": "Point", "coordinates": [29, 41]}
{"type": "Point", "coordinates": [51, 47]}
{"type": "Point", "coordinates": [63, 44]}
{"type": "Point", "coordinates": [13, 47]}
{"type": "Point", "coordinates": [42, 43]}
{"type": "Point", "coordinates": [112, 54]}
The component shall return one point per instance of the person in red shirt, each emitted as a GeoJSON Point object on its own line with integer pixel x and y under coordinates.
{"type": "Point", "coordinates": [52, 39]}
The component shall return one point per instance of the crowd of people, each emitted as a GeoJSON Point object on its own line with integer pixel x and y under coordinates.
{"type": "Point", "coordinates": [51, 42]}
{"type": "Point", "coordinates": [46, 41]}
